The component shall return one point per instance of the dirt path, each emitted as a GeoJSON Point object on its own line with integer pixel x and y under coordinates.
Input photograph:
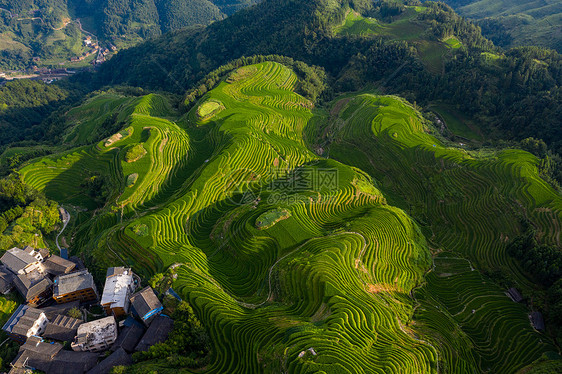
{"type": "Point", "coordinates": [65, 220]}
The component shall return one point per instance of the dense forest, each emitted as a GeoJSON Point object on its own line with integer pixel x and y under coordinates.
{"type": "Point", "coordinates": [513, 94]}
{"type": "Point", "coordinates": [516, 92]}
{"type": "Point", "coordinates": [49, 29]}
{"type": "Point", "coordinates": [511, 23]}
{"type": "Point", "coordinates": [25, 214]}
{"type": "Point", "coordinates": [25, 104]}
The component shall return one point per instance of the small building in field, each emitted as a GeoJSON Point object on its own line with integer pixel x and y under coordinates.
{"type": "Point", "coordinates": [22, 262]}
{"type": "Point", "coordinates": [96, 336]}
{"type": "Point", "coordinates": [25, 322]}
{"type": "Point", "coordinates": [62, 328]}
{"type": "Point", "coordinates": [158, 332]}
{"type": "Point", "coordinates": [75, 286]}
{"type": "Point", "coordinates": [514, 295]}
{"type": "Point", "coordinates": [537, 320]}
{"type": "Point", "coordinates": [35, 287]}
{"type": "Point", "coordinates": [119, 284]}
{"type": "Point", "coordinates": [6, 280]}
{"type": "Point", "coordinates": [146, 305]}
{"type": "Point", "coordinates": [56, 265]}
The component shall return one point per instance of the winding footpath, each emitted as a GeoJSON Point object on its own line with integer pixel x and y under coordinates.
{"type": "Point", "coordinates": [65, 219]}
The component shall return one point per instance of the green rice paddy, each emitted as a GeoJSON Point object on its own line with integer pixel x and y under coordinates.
{"type": "Point", "coordinates": [373, 258]}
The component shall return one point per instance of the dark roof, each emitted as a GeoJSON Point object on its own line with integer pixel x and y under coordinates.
{"type": "Point", "coordinates": [79, 263]}
{"type": "Point", "coordinates": [68, 283]}
{"type": "Point", "coordinates": [6, 279]}
{"type": "Point", "coordinates": [62, 328]}
{"type": "Point", "coordinates": [129, 337]}
{"type": "Point", "coordinates": [54, 310]}
{"type": "Point", "coordinates": [515, 295]}
{"type": "Point", "coordinates": [73, 362]}
{"type": "Point", "coordinates": [32, 284]}
{"type": "Point", "coordinates": [22, 320]}
{"type": "Point", "coordinates": [537, 320]}
{"type": "Point", "coordinates": [156, 333]}
{"type": "Point", "coordinates": [17, 259]}
{"type": "Point", "coordinates": [117, 358]}
{"type": "Point", "coordinates": [36, 345]}
{"type": "Point", "coordinates": [41, 357]}
{"type": "Point", "coordinates": [56, 265]}
{"type": "Point", "coordinates": [145, 301]}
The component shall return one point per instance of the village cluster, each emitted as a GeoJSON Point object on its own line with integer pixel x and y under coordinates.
{"type": "Point", "coordinates": [57, 291]}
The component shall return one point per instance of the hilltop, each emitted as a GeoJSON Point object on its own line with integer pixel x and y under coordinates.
{"type": "Point", "coordinates": [515, 23]}
{"type": "Point", "coordinates": [331, 186]}
{"type": "Point", "coordinates": [48, 32]}
{"type": "Point", "coordinates": [367, 262]}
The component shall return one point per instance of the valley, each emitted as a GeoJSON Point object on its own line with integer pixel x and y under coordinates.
{"type": "Point", "coordinates": [308, 186]}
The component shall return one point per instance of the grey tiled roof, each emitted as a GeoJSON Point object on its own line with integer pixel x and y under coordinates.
{"type": "Point", "coordinates": [37, 345]}
{"type": "Point", "coordinates": [54, 310]}
{"type": "Point", "coordinates": [145, 301]}
{"type": "Point", "coordinates": [62, 328]}
{"type": "Point", "coordinates": [22, 320]}
{"type": "Point", "coordinates": [157, 332]}
{"type": "Point", "coordinates": [129, 337]}
{"type": "Point", "coordinates": [57, 265]}
{"type": "Point", "coordinates": [32, 285]}
{"type": "Point", "coordinates": [67, 283]}
{"type": "Point", "coordinates": [6, 279]}
{"type": "Point", "coordinates": [17, 259]}
{"type": "Point", "coordinates": [117, 358]}
{"type": "Point", "coordinates": [62, 362]}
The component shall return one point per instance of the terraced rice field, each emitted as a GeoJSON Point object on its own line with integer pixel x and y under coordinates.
{"type": "Point", "coordinates": [467, 204]}
{"type": "Point", "coordinates": [341, 284]}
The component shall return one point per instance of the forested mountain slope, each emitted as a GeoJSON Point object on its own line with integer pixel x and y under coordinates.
{"type": "Point", "coordinates": [330, 186]}
{"type": "Point", "coordinates": [516, 22]}
{"type": "Point", "coordinates": [426, 53]}
{"type": "Point", "coordinates": [55, 29]}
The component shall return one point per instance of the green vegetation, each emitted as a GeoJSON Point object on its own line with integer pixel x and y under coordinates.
{"type": "Point", "coordinates": [132, 179]}
{"type": "Point", "coordinates": [312, 232]}
{"type": "Point", "coordinates": [270, 218]}
{"type": "Point", "coordinates": [25, 214]}
{"type": "Point", "coordinates": [274, 265]}
{"type": "Point", "coordinates": [511, 23]}
{"type": "Point", "coordinates": [135, 153]}
{"type": "Point", "coordinates": [187, 345]}
{"type": "Point", "coordinates": [50, 32]}
{"type": "Point", "coordinates": [10, 348]}
{"type": "Point", "coordinates": [453, 42]}
{"type": "Point", "coordinates": [355, 24]}
{"type": "Point", "coordinates": [208, 109]}
{"type": "Point", "coordinates": [456, 123]}
{"type": "Point", "coordinates": [141, 229]}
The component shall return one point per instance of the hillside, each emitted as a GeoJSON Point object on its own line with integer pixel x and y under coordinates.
{"type": "Point", "coordinates": [366, 263]}
{"type": "Point", "coordinates": [425, 53]}
{"type": "Point", "coordinates": [511, 23]}
{"type": "Point", "coordinates": [331, 186]}
{"type": "Point", "coordinates": [53, 31]}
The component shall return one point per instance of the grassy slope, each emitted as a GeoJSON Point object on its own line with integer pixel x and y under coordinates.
{"type": "Point", "coordinates": [533, 22]}
{"type": "Point", "coordinates": [466, 203]}
{"type": "Point", "coordinates": [337, 275]}
{"type": "Point", "coordinates": [404, 27]}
